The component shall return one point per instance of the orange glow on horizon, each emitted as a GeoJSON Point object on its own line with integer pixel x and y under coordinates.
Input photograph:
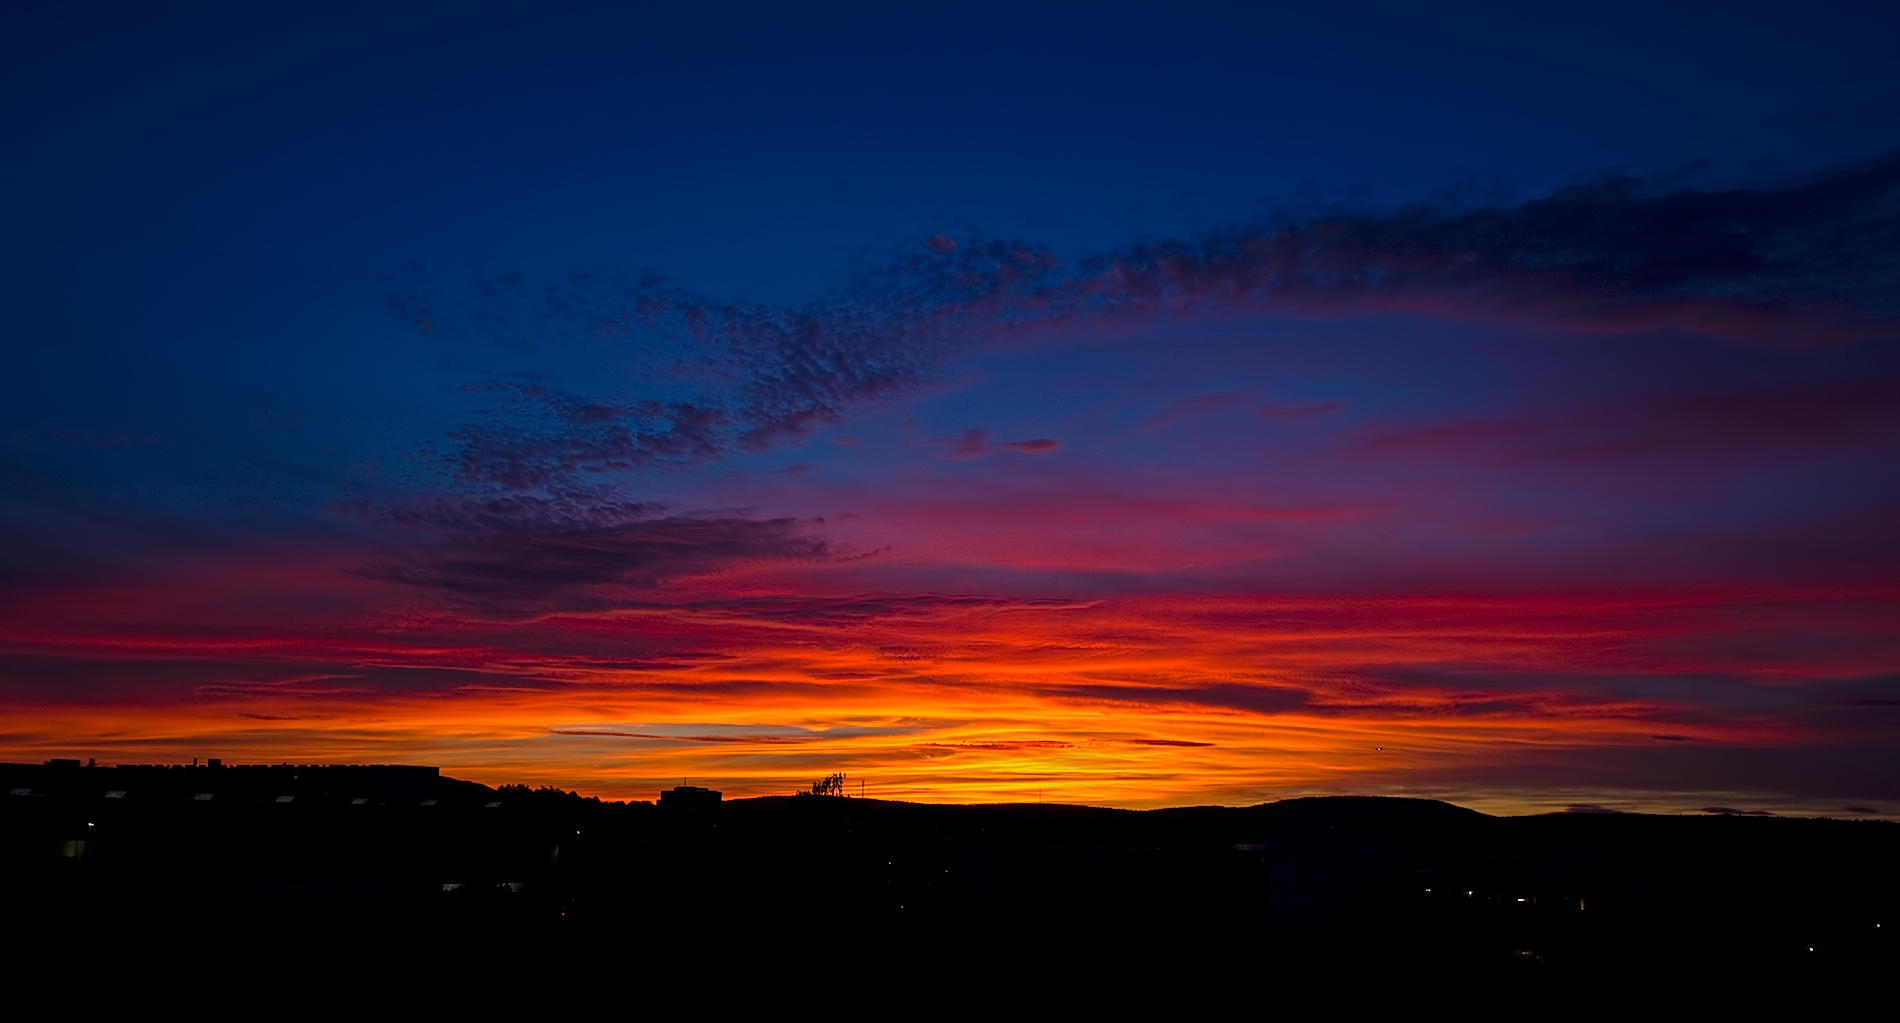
{"type": "Point", "coordinates": [1130, 702]}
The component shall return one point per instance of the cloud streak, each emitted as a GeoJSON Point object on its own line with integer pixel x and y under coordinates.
{"type": "Point", "coordinates": [520, 554]}
{"type": "Point", "coordinates": [1703, 421]}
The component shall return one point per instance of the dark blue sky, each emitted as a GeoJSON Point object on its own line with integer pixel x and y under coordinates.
{"type": "Point", "coordinates": [220, 197]}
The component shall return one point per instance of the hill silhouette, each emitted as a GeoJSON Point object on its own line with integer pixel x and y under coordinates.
{"type": "Point", "coordinates": [1290, 888]}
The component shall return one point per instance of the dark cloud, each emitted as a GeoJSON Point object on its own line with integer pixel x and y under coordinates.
{"type": "Point", "coordinates": [28, 680]}
{"type": "Point", "coordinates": [1588, 808]}
{"type": "Point", "coordinates": [766, 375]}
{"type": "Point", "coordinates": [1310, 410]}
{"type": "Point", "coordinates": [1808, 262]}
{"type": "Point", "coordinates": [1738, 813]}
{"type": "Point", "coordinates": [856, 611]}
{"type": "Point", "coordinates": [359, 681]}
{"type": "Point", "coordinates": [522, 555]}
{"type": "Point", "coordinates": [742, 740]}
{"type": "Point", "coordinates": [1811, 262]}
{"type": "Point", "coordinates": [559, 511]}
{"type": "Point", "coordinates": [1665, 701]}
{"type": "Point", "coordinates": [536, 436]}
{"type": "Point", "coordinates": [1228, 696]}
{"type": "Point", "coordinates": [566, 546]}
{"type": "Point", "coordinates": [1030, 447]}
{"type": "Point", "coordinates": [1005, 744]}
{"type": "Point", "coordinates": [975, 443]}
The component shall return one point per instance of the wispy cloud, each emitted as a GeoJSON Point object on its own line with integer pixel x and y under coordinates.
{"type": "Point", "coordinates": [1802, 264]}
{"type": "Point", "coordinates": [1702, 420]}
{"type": "Point", "coordinates": [1194, 406]}
{"type": "Point", "coordinates": [975, 443]}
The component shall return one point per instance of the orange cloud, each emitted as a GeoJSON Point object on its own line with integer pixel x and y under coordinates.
{"type": "Point", "coordinates": [1133, 701]}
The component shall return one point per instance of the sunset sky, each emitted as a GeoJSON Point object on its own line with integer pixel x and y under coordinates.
{"type": "Point", "coordinates": [1134, 405]}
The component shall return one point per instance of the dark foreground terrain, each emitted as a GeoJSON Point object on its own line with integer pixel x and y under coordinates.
{"type": "Point", "coordinates": [321, 871]}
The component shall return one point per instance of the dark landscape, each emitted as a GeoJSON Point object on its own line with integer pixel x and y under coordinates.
{"type": "Point", "coordinates": [412, 864]}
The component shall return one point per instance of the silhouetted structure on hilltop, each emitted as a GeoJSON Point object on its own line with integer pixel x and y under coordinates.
{"type": "Point", "coordinates": [689, 797]}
